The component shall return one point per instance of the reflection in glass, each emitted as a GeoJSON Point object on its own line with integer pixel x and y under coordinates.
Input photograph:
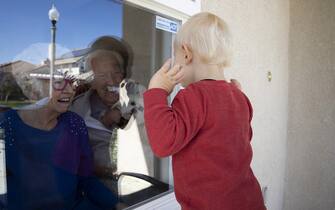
{"type": "Point", "coordinates": [107, 60]}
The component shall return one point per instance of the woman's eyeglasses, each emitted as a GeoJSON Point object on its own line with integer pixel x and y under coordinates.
{"type": "Point", "coordinates": [61, 84]}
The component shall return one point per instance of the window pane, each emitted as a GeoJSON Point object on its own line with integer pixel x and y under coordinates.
{"type": "Point", "coordinates": [79, 142]}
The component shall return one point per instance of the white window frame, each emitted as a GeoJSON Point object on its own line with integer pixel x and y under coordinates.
{"type": "Point", "coordinates": [167, 201]}
{"type": "Point", "coordinates": [161, 8]}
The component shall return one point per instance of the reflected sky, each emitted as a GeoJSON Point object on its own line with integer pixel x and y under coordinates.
{"type": "Point", "coordinates": [26, 23]}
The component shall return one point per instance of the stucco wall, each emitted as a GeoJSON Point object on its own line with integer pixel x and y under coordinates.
{"type": "Point", "coordinates": [260, 31]}
{"type": "Point", "coordinates": [310, 177]}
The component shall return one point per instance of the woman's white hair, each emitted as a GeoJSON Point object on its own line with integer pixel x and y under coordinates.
{"type": "Point", "coordinates": [101, 54]}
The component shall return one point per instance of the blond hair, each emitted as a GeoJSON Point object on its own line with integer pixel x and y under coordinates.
{"type": "Point", "coordinates": [206, 35]}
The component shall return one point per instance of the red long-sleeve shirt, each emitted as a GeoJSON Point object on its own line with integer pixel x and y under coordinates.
{"type": "Point", "coordinates": [207, 131]}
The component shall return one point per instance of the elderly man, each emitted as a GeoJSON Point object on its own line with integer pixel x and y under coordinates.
{"type": "Point", "coordinates": [109, 60]}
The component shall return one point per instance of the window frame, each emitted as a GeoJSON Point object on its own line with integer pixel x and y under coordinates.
{"type": "Point", "coordinates": [167, 200]}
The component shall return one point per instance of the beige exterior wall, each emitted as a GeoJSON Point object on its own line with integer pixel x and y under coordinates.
{"type": "Point", "coordinates": [260, 30]}
{"type": "Point", "coordinates": [293, 145]}
{"type": "Point", "coordinates": [310, 177]}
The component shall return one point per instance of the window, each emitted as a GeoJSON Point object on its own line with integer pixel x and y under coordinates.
{"type": "Point", "coordinates": [122, 159]}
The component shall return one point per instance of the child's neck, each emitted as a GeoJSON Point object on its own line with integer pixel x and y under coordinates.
{"type": "Point", "coordinates": [207, 71]}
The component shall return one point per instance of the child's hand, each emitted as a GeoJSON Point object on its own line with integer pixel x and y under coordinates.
{"type": "Point", "coordinates": [236, 83]}
{"type": "Point", "coordinates": [166, 78]}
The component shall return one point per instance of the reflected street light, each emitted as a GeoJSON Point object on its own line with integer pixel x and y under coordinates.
{"type": "Point", "coordinates": [53, 16]}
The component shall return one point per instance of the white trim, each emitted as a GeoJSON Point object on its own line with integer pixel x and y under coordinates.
{"type": "Point", "coordinates": [44, 76]}
{"type": "Point", "coordinates": [161, 8]}
{"type": "Point", "coordinates": [189, 7]}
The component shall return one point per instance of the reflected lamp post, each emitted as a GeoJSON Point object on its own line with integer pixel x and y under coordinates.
{"type": "Point", "coordinates": [53, 16]}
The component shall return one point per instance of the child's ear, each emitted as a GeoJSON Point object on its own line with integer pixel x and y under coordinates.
{"type": "Point", "coordinates": [188, 55]}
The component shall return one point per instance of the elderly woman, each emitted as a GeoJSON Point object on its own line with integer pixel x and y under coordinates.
{"type": "Point", "coordinates": [48, 157]}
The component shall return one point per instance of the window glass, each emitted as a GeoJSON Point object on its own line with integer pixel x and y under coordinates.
{"type": "Point", "coordinates": [72, 132]}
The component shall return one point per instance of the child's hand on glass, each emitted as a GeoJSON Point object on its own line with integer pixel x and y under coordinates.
{"type": "Point", "coordinates": [236, 83]}
{"type": "Point", "coordinates": [167, 78]}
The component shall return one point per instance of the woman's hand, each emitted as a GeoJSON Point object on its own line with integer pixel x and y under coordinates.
{"type": "Point", "coordinates": [166, 78]}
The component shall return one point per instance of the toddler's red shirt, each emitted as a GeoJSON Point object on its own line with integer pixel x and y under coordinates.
{"type": "Point", "coordinates": [207, 131]}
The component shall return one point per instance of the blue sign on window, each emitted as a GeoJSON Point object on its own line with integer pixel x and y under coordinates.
{"type": "Point", "coordinates": [166, 24]}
